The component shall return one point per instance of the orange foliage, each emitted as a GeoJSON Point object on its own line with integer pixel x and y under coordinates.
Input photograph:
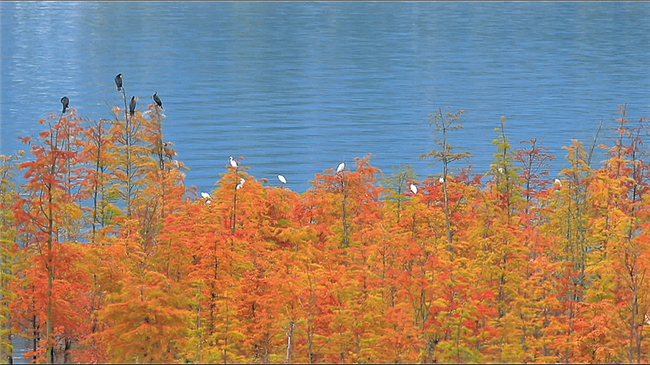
{"type": "Point", "coordinates": [506, 266]}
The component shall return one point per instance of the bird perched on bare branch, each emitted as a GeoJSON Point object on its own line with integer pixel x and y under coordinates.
{"type": "Point", "coordinates": [134, 100]}
{"type": "Point", "coordinates": [66, 102]}
{"type": "Point", "coordinates": [157, 100]}
{"type": "Point", "coordinates": [118, 82]}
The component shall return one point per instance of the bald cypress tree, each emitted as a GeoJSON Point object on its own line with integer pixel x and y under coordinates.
{"type": "Point", "coordinates": [444, 153]}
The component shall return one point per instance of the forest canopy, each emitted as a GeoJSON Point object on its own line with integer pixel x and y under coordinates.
{"type": "Point", "coordinates": [108, 257]}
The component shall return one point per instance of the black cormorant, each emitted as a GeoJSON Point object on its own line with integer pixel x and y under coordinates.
{"type": "Point", "coordinates": [132, 105]}
{"type": "Point", "coordinates": [157, 100]}
{"type": "Point", "coordinates": [118, 82]}
{"type": "Point", "coordinates": [65, 101]}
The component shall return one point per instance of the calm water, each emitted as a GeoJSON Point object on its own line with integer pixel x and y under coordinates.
{"type": "Point", "coordinates": [296, 88]}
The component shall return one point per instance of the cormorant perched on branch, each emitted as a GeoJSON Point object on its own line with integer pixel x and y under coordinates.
{"type": "Point", "coordinates": [118, 82]}
{"type": "Point", "coordinates": [157, 100]}
{"type": "Point", "coordinates": [132, 105]}
{"type": "Point", "coordinates": [66, 102]}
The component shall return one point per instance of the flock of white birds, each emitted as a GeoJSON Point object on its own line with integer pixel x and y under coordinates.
{"type": "Point", "coordinates": [339, 169]}
{"type": "Point", "coordinates": [281, 178]}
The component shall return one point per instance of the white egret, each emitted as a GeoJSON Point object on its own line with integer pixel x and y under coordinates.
{"type": "Point", "coordinates": [241, 184]}
{"type": "Point", "coordinates": [282, 179]}
{"type": "Point", "coordinates": [205, 195]}
{"type": "Point", "coordinates": [232, 162]}
{"type": "Point", "coordinates": [500, 169]}
{"type": "Point", "coordinates": [441, 180]}
{"type": "Point", "coordinates": [340, 167]}
{"type": "Point", "coordinates": [414, 189]}
{"type": "Point", "coordinates": [557, 182]}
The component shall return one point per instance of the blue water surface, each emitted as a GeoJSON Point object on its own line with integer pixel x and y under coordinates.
{"type": "Point", "coordinates": [297, 87]}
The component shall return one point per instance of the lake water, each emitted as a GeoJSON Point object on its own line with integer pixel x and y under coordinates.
{"type": "Point", "coordinates": [296, 88]}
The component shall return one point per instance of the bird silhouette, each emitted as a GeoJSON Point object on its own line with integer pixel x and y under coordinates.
{"type": "Point", "coordinates": [132, 105]}
{"type": "Point", "coordinates": [157, 100]}
{"type": "Point", "coordinates": [66, 102]}
{"type": "Point", "coordinates": [118, 82]}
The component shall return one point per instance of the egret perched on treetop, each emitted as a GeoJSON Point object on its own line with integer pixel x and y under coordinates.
{"type": "Point", "coordinates": [441, 180]}
{"type": "Point", "coordinates": [414, 189]}
{"type": "Point", "coordinates": [132, 104]}
{"type": "Point", "coordinates": [118, 82]}
{"type": "Point", "coordinates": [66, 102]}
{"type": "Point", "coordinates": [282, 179]}
{"type": "Point", "coordinates": [157, 100]}
{"type": "Point", "coordinates": [232, 162]}
{"type": "Point", "coordinates": [340, 167]}
{"type": "Point", "coordinates": [241, 184]}
{"type": "Point", "coordinates": [207, 197]}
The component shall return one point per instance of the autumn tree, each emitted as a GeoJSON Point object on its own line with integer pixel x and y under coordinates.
{"type": "Point", "coordinates": [9, 254]}
{"type": "Point", "coordinates": [50, 214]}
{"type": "Point", "coordinates": [397, 185]}
{"type": "Point", "coordinates": [100, 148]}
{"type": "Point", "coordinates": [615, 259]}
{"type": "Point", "coordinates": [444, 124]}
{"type": "Point", "coordinates": [151, 286]}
